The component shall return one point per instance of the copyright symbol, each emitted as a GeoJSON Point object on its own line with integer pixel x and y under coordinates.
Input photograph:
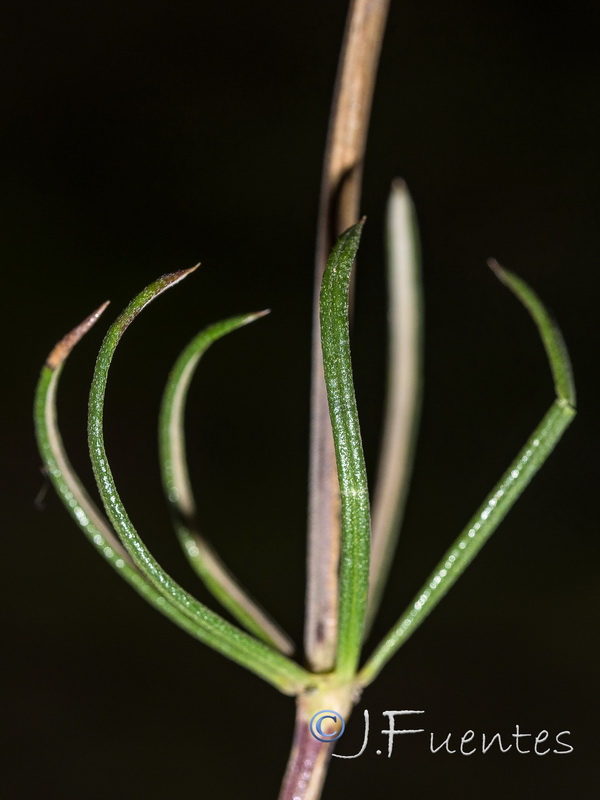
{"type": "Point", "coordinates": [327, 726]}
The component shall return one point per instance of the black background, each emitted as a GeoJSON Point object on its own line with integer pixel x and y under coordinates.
{"type": "Point", "coordinates": [142, 137]}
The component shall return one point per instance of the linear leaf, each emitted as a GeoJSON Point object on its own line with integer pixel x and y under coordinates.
{"type": "Point", "coordinates": [210, 627]}
{"type": "Point", "coordinates": [503, 496]}
{"type": "Point", "coordinates": [403, 400]}
{"type": "Point", "coordinates": [57, 465]}
{"type": "Point", "coordinates": [352, 476]}
{"type": "Point", "coordinates": [201, 555]}
{"type": "Point", "coordinates": [70, 490]}
{"type": "Point", "coordinates": [551, 336]}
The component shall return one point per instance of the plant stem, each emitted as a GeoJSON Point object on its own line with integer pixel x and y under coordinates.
{"type": "Point", "coordinates": [309, 758]}
{"type": "Point", "coordinates": [339, 209]}
{"type": "Point", "coordinates": [307, 766]}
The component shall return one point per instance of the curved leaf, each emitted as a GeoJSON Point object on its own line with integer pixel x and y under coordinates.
{"type": "Point", "coordinates": [503, 496]}
{"type": "Point", "coordinates": [210, 627]}
{"type": "Point", "coordinates": [201, 555]}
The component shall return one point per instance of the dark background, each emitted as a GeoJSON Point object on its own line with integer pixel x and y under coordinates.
{"type": "Point", "coordinates": [142, 137]}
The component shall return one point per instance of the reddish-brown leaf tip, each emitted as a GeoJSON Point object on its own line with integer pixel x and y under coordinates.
{"type": "Point", "coordinates": [496, 269]}
{"type": "Point", "coordinates": [68, 342]}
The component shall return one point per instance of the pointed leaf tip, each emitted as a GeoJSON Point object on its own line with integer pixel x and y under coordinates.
{"type": "Point", "coordinates": [549, 331]}
{"type": "Point", "coordinates": [498, 271]}
{"type": "Point", "coordinates": [174, 277]}
{"type": "Point", "coordinates": [399, 185]}
{"type": "Point", "coordinates": [259, 314]}
{"type": "Point", "coordinates": [61, 350]}
{"type": "Point", "coordinates": [253, 316]}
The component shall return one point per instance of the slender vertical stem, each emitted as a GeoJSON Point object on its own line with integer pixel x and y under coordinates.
{"type": "Point", "coordinates": [339, 208]}
{"type": "Point", "coordinates": [307, 766]}
{"type": "Point", "coordinates": [309, 757]}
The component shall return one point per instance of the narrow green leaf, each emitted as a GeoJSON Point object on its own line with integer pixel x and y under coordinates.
{"type": "Point", "coordinates": [354, 493]}
{"type": "Point", "coordinates": [70, 490]}
{"type": "Point", "coordinates": [403, 400]}
{"type": "Point", "coordinates": [176, 482]}
{"type": "Point", "coordinates": [56, 463]}
{"type": "Point", "coordinates": [502, 498]}
{"type": "Point", "coordinates": [552, 339]}
{"type": "Point", "coordinates": [210, 627]}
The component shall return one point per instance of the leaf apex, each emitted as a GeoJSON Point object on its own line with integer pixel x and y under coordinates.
{"type": "Point", "coordinates": [498, 271]}
{"type": "Point", "coordinates": [180, 274]}
{"type": "Point", "coordinates": [61, 351]}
